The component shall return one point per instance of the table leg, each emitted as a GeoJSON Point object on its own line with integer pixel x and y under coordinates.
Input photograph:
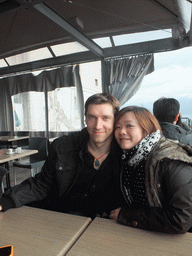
{"type": "Point", "coordinates": [7, 176]}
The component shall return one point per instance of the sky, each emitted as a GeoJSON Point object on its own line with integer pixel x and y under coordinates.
{"type": "Point", "coordinates": [172, 78]}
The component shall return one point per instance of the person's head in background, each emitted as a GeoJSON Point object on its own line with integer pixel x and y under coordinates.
{"type": "Point", "coordinates": [132, 124]}
{"type": "Point", "coordinates": [166, 110]}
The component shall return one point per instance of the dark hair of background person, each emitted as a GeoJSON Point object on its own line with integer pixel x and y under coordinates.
{"type": "Point", "coordinates": [166, 109]}
{"type": "Point", "coordinates": [144, 117]}
{"type": "Point", "coordinates": [103, 98]}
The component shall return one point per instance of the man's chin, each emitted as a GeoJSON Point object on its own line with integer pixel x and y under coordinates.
{"type": "Point", "coordinates": [101, 139]}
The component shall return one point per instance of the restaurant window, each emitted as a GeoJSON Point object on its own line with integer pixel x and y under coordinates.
{"type": "Point", "coordinates": [29, 111]}
{"type": "Point", "coordinates": [64, 114]}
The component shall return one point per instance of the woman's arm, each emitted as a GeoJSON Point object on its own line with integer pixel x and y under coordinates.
{"type": "Point", "coordinates": [175, 216]}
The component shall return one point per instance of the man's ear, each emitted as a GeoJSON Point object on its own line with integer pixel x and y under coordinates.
{"type": "Point", "coordinates": [176, 118]}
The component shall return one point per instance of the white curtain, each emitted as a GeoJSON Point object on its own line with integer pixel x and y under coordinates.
{"type": "Point", "coordinates": [126, 74]}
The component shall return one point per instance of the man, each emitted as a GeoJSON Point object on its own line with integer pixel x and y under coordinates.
{"type": "Point", "coordinates": [79, 175]}
{"type": "Point", "coordinates": [166, 110]}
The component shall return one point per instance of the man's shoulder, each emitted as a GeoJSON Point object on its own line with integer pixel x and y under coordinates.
{"type": "Point", "coordinates": [172, 131]}
{"type": "Point", "coordinates": [175, 132]}
{"type": "Point", "coordinates": [71, 139]}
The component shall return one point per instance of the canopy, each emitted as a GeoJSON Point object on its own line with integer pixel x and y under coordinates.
{"type": "Point", "coordinates": [27, 25]}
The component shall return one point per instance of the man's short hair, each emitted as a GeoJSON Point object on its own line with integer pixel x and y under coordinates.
{"type": "Point", "coordinates": [103, 98]}
{"type": "Point", "coordinates": [166, 109]}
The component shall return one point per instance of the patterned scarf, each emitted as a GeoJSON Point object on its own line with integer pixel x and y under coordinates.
{"type": "Point", "coordinates": [132, 178]}
{"type": "Point", "coordinates": [141, 151]}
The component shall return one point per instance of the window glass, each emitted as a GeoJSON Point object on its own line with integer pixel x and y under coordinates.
{"type": "Point", "coordinates": [63, 104]}
{"type": "Point", "coordinates": [63, 110]}
{"type": "Point", "coordinates": [68, 48]}
{"type": "Point", "coordinates": [103, 42]}
{"type": "Point", "coordinates": [3, 64]}
{"type": "Point", "coordinates": [34, 55]}
{"type": "Point", "coordinates": [29, 111]}
{"type": "Point", "coordinates": [141, 37]}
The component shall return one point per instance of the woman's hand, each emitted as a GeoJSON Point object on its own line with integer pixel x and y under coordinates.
{"type": "Point", "coordinates": [114, 214]}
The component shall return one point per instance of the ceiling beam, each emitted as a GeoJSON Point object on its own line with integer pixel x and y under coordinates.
{"type": "Point", "coordinates": [74, 32]}
{"type": "Point", "coordinates": [111, 52]}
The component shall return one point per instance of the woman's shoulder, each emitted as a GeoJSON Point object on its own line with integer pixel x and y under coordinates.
{"type": "Point", "coordinates": [173, 150]}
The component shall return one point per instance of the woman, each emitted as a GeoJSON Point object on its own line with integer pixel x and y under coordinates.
{"type": "Point", "coordinates": [156, 177]}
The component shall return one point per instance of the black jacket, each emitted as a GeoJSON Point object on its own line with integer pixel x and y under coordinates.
{"type": "Point", "coordinates": [168, 180]}
{"type": "Point", "coordinates": [59, 173]}
{"type": "Point", "coordinates": [175, 132]}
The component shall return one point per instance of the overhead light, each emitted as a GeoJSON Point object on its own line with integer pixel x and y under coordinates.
{"type": "Point", "coordinates": [76, 22]}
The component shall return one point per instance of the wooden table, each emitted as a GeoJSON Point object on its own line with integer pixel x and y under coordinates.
{"type": "Point", "coordinates": [4, 158]}
{"type": "Point", "coordinates": [108, 238]}
{"type": "Point", "coordinates": [36, 232]}
{"type": "Point", "coordinates": [10, 140]}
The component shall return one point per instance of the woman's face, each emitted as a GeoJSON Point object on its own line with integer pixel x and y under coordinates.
{"type": "Point", "coordinates": [128, 132]}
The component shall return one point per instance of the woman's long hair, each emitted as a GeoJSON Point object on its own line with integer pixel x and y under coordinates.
{"type": "Point", "coordinates": [144, 117]}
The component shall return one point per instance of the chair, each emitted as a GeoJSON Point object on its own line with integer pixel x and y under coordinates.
{"type": "Point", "coordinates": [3, 172]}
{"type": "Point", "coordinates": [2, 133]}
{"type": "Point", "coordinates": [25, 142]}
{"type": "Point", "coordinates": [36, 160]}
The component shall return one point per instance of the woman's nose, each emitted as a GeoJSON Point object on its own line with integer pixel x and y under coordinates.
{"type": "Point", "coordinates": [122, 131]}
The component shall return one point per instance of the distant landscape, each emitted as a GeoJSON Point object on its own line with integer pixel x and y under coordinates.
{"type": "Point", "coordinates": [172, 78]}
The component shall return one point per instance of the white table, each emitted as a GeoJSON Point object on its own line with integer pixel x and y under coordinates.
{"type": "Point", "coordinates": [36, 232]}
{"type": "Point", "coordinates": [105, 237]}
{"type": "Point", "coordinates": [5, 158]}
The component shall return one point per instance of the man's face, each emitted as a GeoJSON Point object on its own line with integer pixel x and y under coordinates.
{"type": "Point", "coordinates": [100, 122]}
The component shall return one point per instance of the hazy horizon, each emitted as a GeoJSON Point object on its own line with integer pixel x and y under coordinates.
{"type": "Point", "coordinates": [172, 78]}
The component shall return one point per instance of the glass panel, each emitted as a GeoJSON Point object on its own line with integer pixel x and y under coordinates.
{"type": "Point", "coordinates": [141, 37]}
{"type": "Point", "coordinates": [172, 79]}
{"type": "Point", "coordinates": [3, 64]}
{"type": "Point", "coordinates": [63, 107]}
{"type": "Point", "coordinates": [39, 54]}
{"type": "Point", "coordinates": [103, 42]}
{"type": "Point", "coordinates": [68, 48]}
{"type": "Point", "coordinates": [29, 111]}
{"type": "Point", "coordinates": [63, 110]}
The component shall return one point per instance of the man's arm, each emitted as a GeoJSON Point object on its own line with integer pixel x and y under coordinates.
{"type": "Point", "coordinates": [32, 189]}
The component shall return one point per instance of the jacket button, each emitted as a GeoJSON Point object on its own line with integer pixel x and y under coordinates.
{"type": "Point", "coordinates": [60, 168]}
{"type": "Point", "coordinates": [135, 223]}
{"type": "Point", "coordinates": [158, 185]}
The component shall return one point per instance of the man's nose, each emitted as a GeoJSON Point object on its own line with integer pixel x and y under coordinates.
{"type": "Point", "coordinates": [98, 123]}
